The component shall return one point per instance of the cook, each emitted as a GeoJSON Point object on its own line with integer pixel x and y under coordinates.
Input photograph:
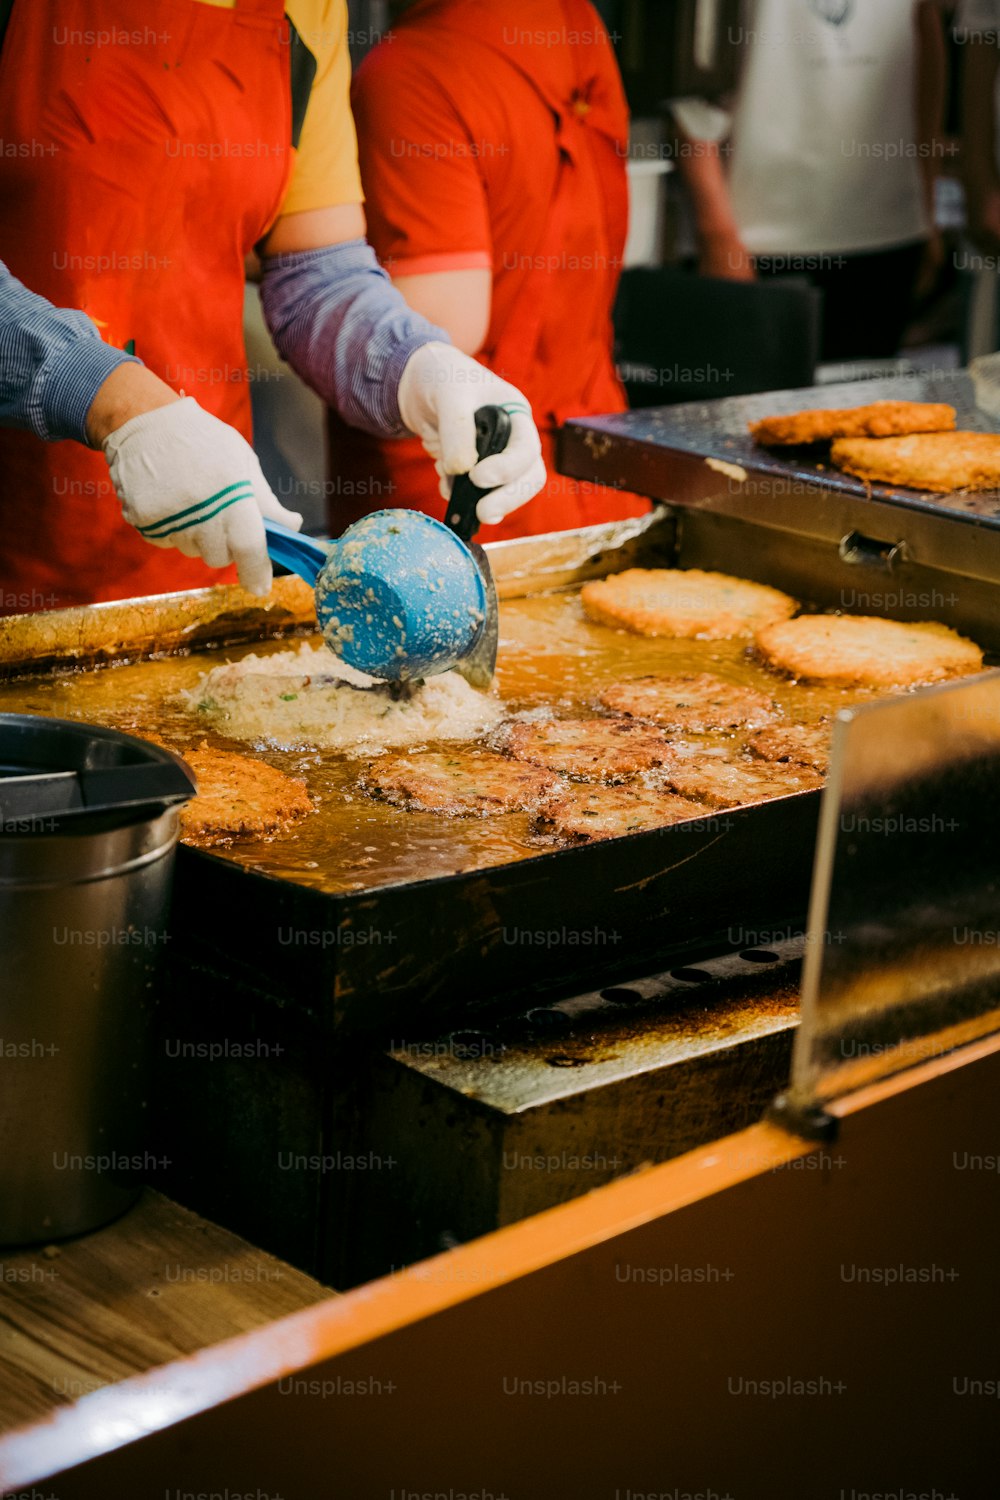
{"type": "Point", "coordinates": [493, 142]}
{"type": "Point", "coordinates": [158, 142]}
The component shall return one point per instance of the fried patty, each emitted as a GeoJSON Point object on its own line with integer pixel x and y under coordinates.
{"type": "Point", "coordinates": [701, 702]}
{"type": "Point", "coordinates": [860, 650]}
{"type": "Point", "coordinates": [589, 749]}
{"type": "Point", "coordinates": [685, 603]}
{"type": "Point", "coordinates": [878, 419]}
{"type": "Point", "coordinates": [239, 798]}
{"type": "Point", "coordinates": [462, 783]}
{"type": "Point", "coordinates": [793, 744]}
{"type": "Point", "coordinates": [941, 461]}
{"type": "Point", "coordinates": [727, 783]}
{"type": "Point", "coordinates": [583, 813]}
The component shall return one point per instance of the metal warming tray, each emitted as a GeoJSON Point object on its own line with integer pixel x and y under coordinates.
{"type": "Point", "coordinates": [694, 453]}
{"type": "Point", "coordinates": [897, 542]}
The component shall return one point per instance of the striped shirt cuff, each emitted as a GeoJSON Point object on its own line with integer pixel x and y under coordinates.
{"type": "Point", "coordinates": [71, 380]}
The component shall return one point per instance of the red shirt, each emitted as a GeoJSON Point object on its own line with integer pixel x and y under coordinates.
{"type": "Point", "coordinates": [495, 136]}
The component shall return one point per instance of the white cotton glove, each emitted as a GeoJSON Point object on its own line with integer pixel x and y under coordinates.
{"type": "Point", "coordinates": [189, 481]}
{"type": "Point", "coordinates": [439, 395]}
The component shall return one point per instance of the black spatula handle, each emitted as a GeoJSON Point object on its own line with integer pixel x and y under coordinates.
{"type": "Point", "coordinates": [492, 432]}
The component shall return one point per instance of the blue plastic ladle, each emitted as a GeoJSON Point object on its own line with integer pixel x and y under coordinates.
{"type": "Point", "coordinates": [400, 595]}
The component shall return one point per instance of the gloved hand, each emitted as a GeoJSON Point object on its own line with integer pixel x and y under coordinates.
{"type": "Point", "coordinates": [439, 395]}
{"type": "Point", "coordinates": [189, 481]}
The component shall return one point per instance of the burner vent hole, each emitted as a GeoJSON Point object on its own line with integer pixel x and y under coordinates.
{"type": "Point", "coordinates": [620, 996]}
{"type": "Point", "coordinates": [546, 1018]}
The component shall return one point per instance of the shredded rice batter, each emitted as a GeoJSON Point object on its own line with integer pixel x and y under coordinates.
{"type": "Point", "coordinates": [307, 697]}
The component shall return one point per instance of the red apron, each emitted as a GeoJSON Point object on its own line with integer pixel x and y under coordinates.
{"type": "Point", "coordinates": [550, 331]}
{"type": "Point", "coordinates": [154, 151]}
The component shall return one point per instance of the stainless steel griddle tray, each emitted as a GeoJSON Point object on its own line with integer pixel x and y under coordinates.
{"type": "Point", "coordinates": [718, 431]}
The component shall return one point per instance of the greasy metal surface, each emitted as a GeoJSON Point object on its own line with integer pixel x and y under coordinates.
{"type": "Point", "coordinates": [550, 655]}
{"type": "Point", "coordinates": [568, 1048]}
{"type": "Point", "coordinates": [486, 1126]}
{"type": "Point", "coordinates": [717, 430]}
{"type": "Point", "coordinates": [903, 961]}
{"type": "Point", "coordinates": [158, 625]}
{"type": "Point", "coordinates": [952, 575]}
{"type": "Point", "coordinates": [352, 843]}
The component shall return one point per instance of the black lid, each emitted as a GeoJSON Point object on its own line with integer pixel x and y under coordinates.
{"type": "Point", "coordinates": [59, 774]}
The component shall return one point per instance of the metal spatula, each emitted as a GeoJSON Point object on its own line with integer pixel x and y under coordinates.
{"type": "Point", "coordinates": [492, 432]}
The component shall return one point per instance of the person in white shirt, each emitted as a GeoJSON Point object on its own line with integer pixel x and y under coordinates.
{"type": "Point", "coordinates": [827, 171]}
{"type": "Point", "coordinates": [977, 31]}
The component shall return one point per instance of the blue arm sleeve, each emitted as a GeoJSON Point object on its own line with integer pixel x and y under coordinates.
{"type": "Point", "coordinates": [52, 361]}
{"type": "Point", "coordinates": [337, 319]}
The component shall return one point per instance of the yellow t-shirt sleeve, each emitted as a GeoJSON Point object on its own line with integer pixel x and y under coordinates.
{"type": "Point", "coordinates": [326, 166]}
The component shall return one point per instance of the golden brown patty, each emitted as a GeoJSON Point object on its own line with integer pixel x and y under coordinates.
{"type": "Point", "coordinates": [461, 783]}
{"type": "Point", "coordinates": [727, 783]}
{"type": "Point", "coordinates": [589, 749]}
{"type": "Point", "coordinates": [701, 702]}
{"type": "Point", "coordinates": [793, 744]}
{"type": "Point", "coordinates": [876, 420]}
{"type": "Point", "coordinates": [684, 603]}
{"type": "Point", "coordinates": [607, 812]}
{"type": "Point", "coordinates": [239, 798]}
{"type": "Point", "coordinates": [942, 461]}
{"type": "Point", "coordinates": [860, 650]}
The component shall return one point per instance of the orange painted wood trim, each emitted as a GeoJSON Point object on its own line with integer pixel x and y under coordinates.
{"type": "Point", "coordinates": [125, 1412]}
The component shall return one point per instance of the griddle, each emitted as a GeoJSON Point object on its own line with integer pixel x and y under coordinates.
{"type": "Point", "coordinates": [368, 960]}
{"type": "Point", "coordinates": [452, 943]}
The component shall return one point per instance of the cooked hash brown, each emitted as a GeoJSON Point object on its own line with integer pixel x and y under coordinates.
{"type": "Point", "coordinates": [239, 798]}
{"type": "Point", "coordinates": [939, 461]}
{"type": "Point", "coordinates": [461, 783]}
{"type": "Point", "coordinates": [685, 603]}
{"type": "Point", "coordinates": [878, 419]}
{"type": "Point", "coordinates": [727, 783]}
{"type": "Point", "coordinates": [793, 744]}
{"type": "Point", "coordinates": [861, 650]}
{"type": "Point", "coordinates": [700, 702]}
{"type": "Point", "coordinates": [589, 749]}
{"type": "Point", "coordinates": [583, 812]}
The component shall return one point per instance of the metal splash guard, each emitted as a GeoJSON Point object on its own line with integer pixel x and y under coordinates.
{"type": "Point", "coordinates": [903, 951]}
